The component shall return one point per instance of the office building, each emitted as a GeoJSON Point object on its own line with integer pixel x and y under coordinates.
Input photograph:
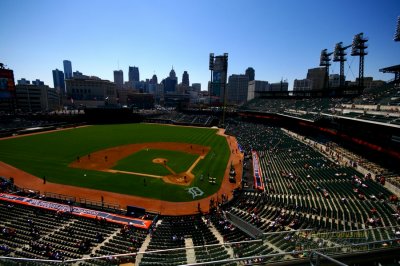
{"type": "Point", "coordinates": [172, 74]}
{"type": "Point", "coordinates": [133, 74]}
{"type": "Point", "coordinates": [279, 86]}
{"type": "Point", "coordinates": [58, 80]}
{"type": "Point", "coordinates": [119, 78]}
{"type": "Point", "coordinates": [369, 83]}
{"type": "Point", "coordinates": [196, 87]}
{"type": "Point", "coordinates": [23, 82]}
{"type": "Point", "coordinates": [334, 80]}
{"type": "Point", "coordinates": [77, 74]}
{"type": "Point", "coordinates": [36, 98]}
{"type": "Point", "coordinates": [302, 85]}
{"type": "Point", "coordinates": [159, 93]}
{"type": "Point", "coordinates": [91, 91]}
{"type": "Point", "coordinates": [185, 79]}
{"type": "Point", "coordinates": [154, 79]}
{"type": "Point", "coordinates": [317, 77]}
{"type": "Point", "coordinates": [256, 86]}
{"type": "Point", "coordinates": [250, 72]}
{"type": "Point", "coordinates": [237, 89]}
{"type": "Point", "coordinates": [37, 82]}
{"type": "Point", "coordinates": [169, 85]}
{"type": "Point", "coordinates": [67, 69]}
{"type": "Point", "coordinates": [171, 82]}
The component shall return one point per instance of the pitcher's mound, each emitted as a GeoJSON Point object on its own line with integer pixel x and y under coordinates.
{"type": "Point", "coordinates": [160, 160]}
{"type": "Point", "coordinates": [179, 179]}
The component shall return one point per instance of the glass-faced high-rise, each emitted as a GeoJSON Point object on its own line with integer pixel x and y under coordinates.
{"type": "Point", "coordinates": [58, 80]}
{"type": "Point", "coordinates": [119, 78]}
{"type": "Point", "coordinates": [67, 69]}
{"type": "Point", "coordinates": [185, 78]}
{"type": "Point", "coordinates": [133, 74]}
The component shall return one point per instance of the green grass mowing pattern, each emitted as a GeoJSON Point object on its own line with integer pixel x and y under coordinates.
{"type": "Point", "coordinates": [50, 154]}
{"type": "Point", "coordinates": [142, 162]}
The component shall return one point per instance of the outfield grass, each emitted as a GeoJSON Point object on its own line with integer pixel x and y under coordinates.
{"type": "Point", "coordinates": [142, 162]}
{"type": "Point", "coordinates": [50, 154]}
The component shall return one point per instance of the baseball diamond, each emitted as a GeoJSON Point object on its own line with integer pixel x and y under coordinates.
{"type": "Point", "coordinates": [144, 160]}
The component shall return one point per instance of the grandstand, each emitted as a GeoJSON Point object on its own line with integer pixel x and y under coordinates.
{"type": "Point", "coordinates": [374, 104]}
{"type": "Point", "coordinates": [188, 119]}
{"type": "Point", "coordinates": [312, 197]}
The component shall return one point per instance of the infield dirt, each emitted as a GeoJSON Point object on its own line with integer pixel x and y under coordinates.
{"type": "Point", "coordinates": [105, 160]}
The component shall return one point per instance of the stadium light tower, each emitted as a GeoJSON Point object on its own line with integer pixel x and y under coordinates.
{"type": "Point", "coordinates": [358, 49]}
{"type": "Point", "coordinates": [325, 62]}
{"type": "Point", "coordinates": [211, 68]}
{"type": "Point", "coordinates": [397, 34]}
{"type": "Point", "coordinates": [225, 69]}
{"type": "Point", "coordinates": [339, 55]}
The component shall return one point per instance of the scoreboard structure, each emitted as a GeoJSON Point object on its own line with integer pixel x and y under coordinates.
{"type": "Point", "coordinates": [7, 89]}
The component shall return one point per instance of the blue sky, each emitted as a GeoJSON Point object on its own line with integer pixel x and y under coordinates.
{"type": "Point", "coordinates": [279, 39]}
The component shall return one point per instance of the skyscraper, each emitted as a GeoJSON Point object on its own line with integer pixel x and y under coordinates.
{"type": "Point", "coordinates": [133, 74]}
{"type": "Point", "coordinates": [250, 73]}
{"type": "Point", "coordinates": [185, 78]}
{"type": "Point", "coordinates": [67, 69]}
{"type": "Point", "coordinates": [172, 74]}
{"type": "Point", "coordinates": [170, 82]}
{"type": "Point", "coordinates": [119, 78]}
{"type": "Point", "coordinates": [58, 80]}
{"type": "Point", "coordinates": [237, 89]}
{"type": "Point", "coordinates": [317, 77]}
{"type": "Point", "coordinates": [154, 79]}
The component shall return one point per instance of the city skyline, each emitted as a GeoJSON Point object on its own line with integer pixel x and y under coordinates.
{"type": "Point", "coordinates": [279, 39]}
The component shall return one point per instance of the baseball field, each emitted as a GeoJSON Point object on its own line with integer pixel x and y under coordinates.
{"type": "Point", "coordinates": [147, 160]}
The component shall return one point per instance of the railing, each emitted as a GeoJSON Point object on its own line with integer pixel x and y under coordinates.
{"type": "Point", "coordinates": [318, 258]}
{"type": "Point", "coordinates": [100, 205]}
{"type": "Point", "coordinates": [246, 227]}
{"type": "Point", "coordinates": [61, 197]}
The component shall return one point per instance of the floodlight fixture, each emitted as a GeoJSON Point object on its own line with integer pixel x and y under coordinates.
{"type": "Point", "coordinates": [325, 58]}
{"type": "Point", "coordinates": [339, 55]}
{"type": "Point", "coordinates": [397, 34]}
{"type": "Point", "coordinates": [358, 48]}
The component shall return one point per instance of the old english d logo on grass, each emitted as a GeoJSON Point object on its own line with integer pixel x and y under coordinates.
{"type": "Point", "coordinates": [195, 191]}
